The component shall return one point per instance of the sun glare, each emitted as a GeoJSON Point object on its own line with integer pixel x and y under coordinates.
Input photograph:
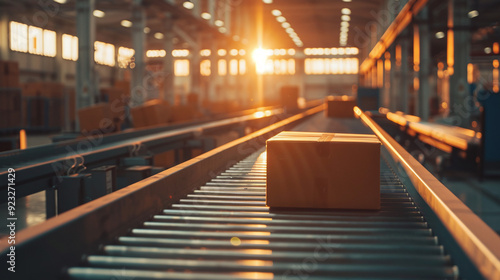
{"type": "Point", "coordinates": [259, 55]}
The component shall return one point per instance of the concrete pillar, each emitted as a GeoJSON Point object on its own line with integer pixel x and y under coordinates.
{"type": "Point", "coordinates": [227, 17]}
{"type": "Point", "coordinates": [139, 90]}
{"type": "Point", "coordinates": [213, 69]}
{"type": "Point", "coordinates": [85, 71]}
{"type": "Point", "coordinates": [393, 86]}
{"type": "Point", "coordinates": [195, 61]}
{"type": "Point", "coordinates": [211, 10]}
{"type": "Point", "coordinates": [458, 58]}
{"type": "Point", "coordinates": [424, 91]}
{"type": "Point", "coordinates": [404, 81]}
{"type": "Point", "coordinates": [168, 61]}
{"type": "Point", "coordinates": [4, 36]}
{"type": "Point", "coordinates": [61, 70]}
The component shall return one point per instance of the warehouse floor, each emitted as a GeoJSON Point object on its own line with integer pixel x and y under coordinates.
{"type": "Point", "coordinates": [482, 197]}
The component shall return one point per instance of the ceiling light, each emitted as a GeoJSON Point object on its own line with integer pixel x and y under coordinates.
{"type": "Point", "coordinates": [188, 5]}
{"type": "Point", "coordinates": [487, 50]}
{"type": "Point", "coordinates": [440, 35]}
{"type": "Point", "coordinates": [281, 19]}
{"type": "Point", "coordinates": [344, 23]}
{"type": "Point", "coordinates": [126, 23]}
{"type": "Point", "coordinates": [98, 13]}
{"type": "Point", "coordinates": [347, 1]}
{"type": "Point", "coordinates": [276, 13]}
{"type": "Point", "coordinates": [289, 30]}
{"type": "Point", "coordinates": [219, 23]}
{"type": "Point", "coordinates": [344, 29]}
{"type": "Point", "coordinates": [61, 1]}
{"type": "Point", "coordinates": [473, 14]}
{"type": "Point", "coordinates": [206, 16]}
{"type": "Point", "coordinates": [236, 38]}
{"type": "Point", "coordinates": [345, 18]}
{"type": "Point", "coordinates": [221, 52]}
{"type": "Point", "coordinates": [222, 29]}
{"type": "Point", "coordinates": [147, 30]}
{"type": "Point", "coordinates": [346, 11]}
{"type": "Point", "coordinates": [158, 35]}
{"type": "Point", "coordinates": [242, 52]}
{"type": "Point", "coordinates": [285, 25]}
{"type": "Point", "coordinates": [267, 1]}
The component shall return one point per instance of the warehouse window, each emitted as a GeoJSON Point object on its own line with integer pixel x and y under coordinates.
{"type": "Point", "coordinates": [243, 66]}
{"type": "Point", "coordinates": [18, 36]}
{"type": "Point", "coordinates": [279, 67]}
{"type": "Point", "coordinates": [69, 47]}
{"type": "Point", "coordinates": [222, 67]}
{"type": "Point", "coordinates": [35, 35]}
{"type": "Point", "coordinates": [181, 67]}
{"type": "Point", "coordinates": [233, 67]}
{"type": "Point", "coordinates": [104, 53]}
{"type": "Point", "coordinates": [205, 67]}
{"type": "Point", "coordinates": [125, 57]}
{"type": "Point", "coordinates": [32, 39]}
{"type": "Point", "coordinates": [325, 66]}
{"type": "Point", "coordinates": [49, 43]}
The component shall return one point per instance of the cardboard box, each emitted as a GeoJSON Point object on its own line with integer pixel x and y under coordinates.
{"type": "Point", "coordinates": [124, 86]}
{"type": "Point", "coordinates": [340, 106]}
{"type": "Point", "coordinates": [118, 99]}
{"type": "Point", "coordinates": [323, 170]}
{"type": "Point", "coordinates": [289, 96]}
{"type": "Point", "coordinates": [96, 119]}
{"type": "Point", "coordinates": [152, 112]}
{"type": "Point", "coordinates": [44, 89]}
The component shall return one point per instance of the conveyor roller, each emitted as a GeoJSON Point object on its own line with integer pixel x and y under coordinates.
{"type": "Point", "coordinates": [224, 230]}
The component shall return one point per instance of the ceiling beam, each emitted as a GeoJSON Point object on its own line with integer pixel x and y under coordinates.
{"type": "Point", "coordinates": [397, 26]}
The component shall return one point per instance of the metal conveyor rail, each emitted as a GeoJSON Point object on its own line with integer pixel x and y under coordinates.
{"type": "Point", "coordinates": [223, 230]}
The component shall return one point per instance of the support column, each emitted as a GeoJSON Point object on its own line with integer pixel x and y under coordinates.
{"type": "Point", "coordinates": [458, 58]}
{"type": "Point", "coordinates": [387, 80]}
{"type": "Point", "coordinates": [168, 61]}
{"type": "Point", "coordinates": [4, 36]}
{"type": "Point", "coordinates": [424, 91]}
{"type": "Point", "coordinates": [404, 82]}
{"type": "Point", "coordinates": [214, 73]}
{"type": "Point", "coordinates": [139, 91]}
{"type": "Point", "coordinates": [195, 61]}
{"type": "Point", "coordinates": [393, 86]}
{"type": "Point", "coordinates": [211, 10]}
{"type": "Point", "coordinates": [85, 71]}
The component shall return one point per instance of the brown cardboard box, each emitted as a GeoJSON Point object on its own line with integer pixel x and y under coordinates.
{"type": "Point", "coordinates": [4, 74]}
{"type": "Point", "coordinates": [96, 118]}
{"type": "Point", "coordinates": [323, 170]}
{"type": "Point", "coordinates": [124, 86]}
{"type": "Point", "coordinates": [44, 89]}
{"type": "Point", "coordinates": [340, 106]}
{"type": "Point", "coordinates": [289, 96]}
{"type": "Point", "coordinates": [152, 112]}
{"type": "Point", "coordinates": [13, 81]}
{"type": "Point", "coordinates": [165, 159]}
{"type": "Point", "coordinates": [117, 99]}
{"type": "Point", "coordinates": [13, 67]}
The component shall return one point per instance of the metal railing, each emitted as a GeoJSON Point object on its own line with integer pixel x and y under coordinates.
{"type": "Point", "coordinates": [473, 235]}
